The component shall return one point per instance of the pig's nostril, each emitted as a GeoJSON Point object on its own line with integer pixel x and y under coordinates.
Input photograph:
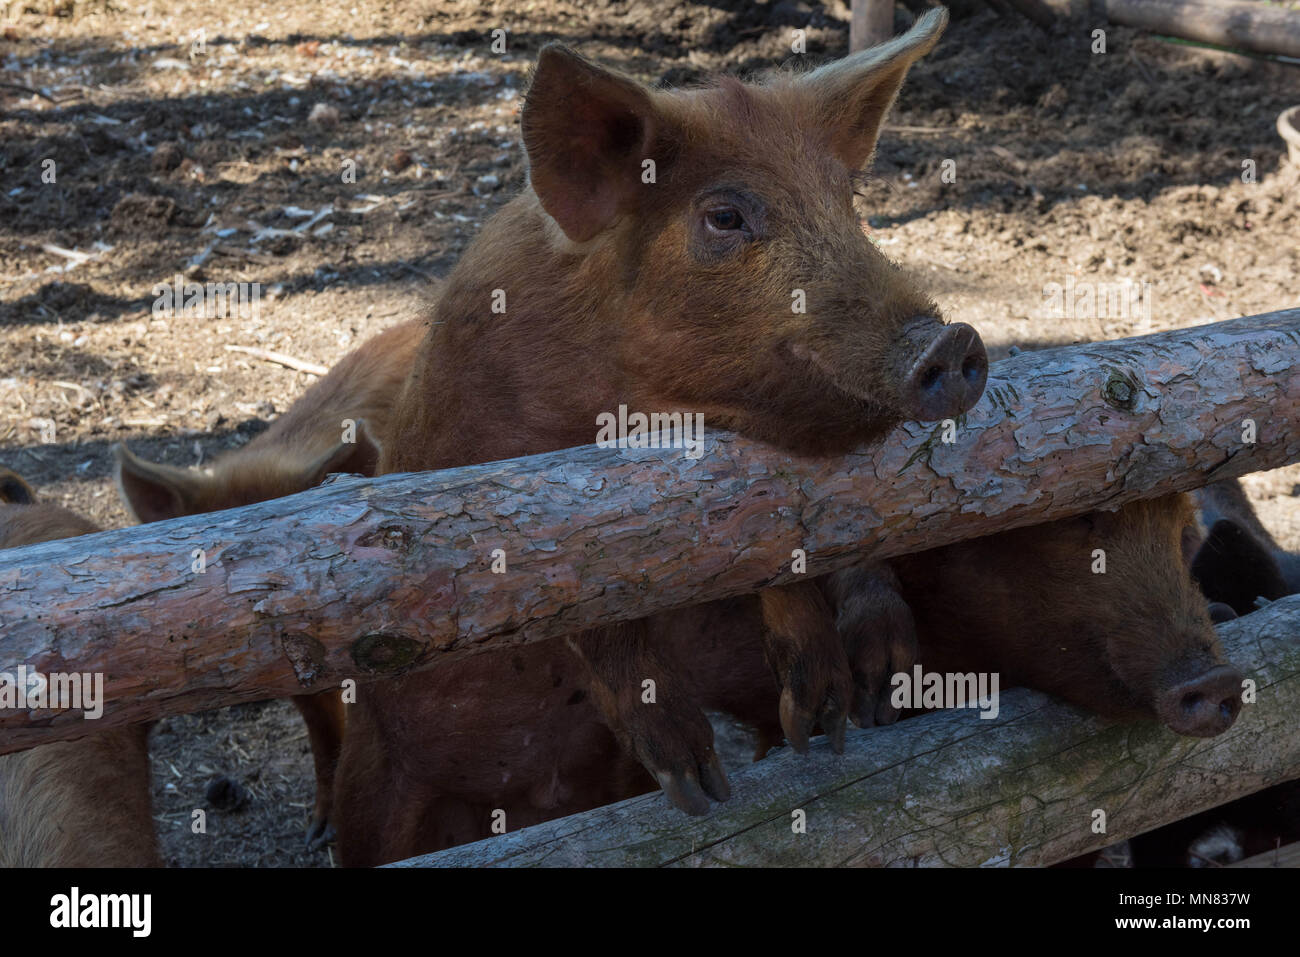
{"type": "Point", "coordinates": [945, 374]}
{"type": "Point", "coordinates": [1205, 705]}
{"type": "Point", "coordinates": [1194, 704]}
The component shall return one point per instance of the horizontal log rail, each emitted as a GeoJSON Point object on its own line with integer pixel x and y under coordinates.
{"type": "Point", "coordinates": [951, 788]}
{"type": "Point", "coordinates": [361, 578]}
{"type": "Point", "coordinates": [1243, 24]}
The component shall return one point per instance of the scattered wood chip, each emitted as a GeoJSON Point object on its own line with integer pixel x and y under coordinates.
{"type": "Point", "coordinates": [1009, 157]}
{"type": "Point", "coordinates": [198, 260]}
{"type": "Point", "coordinates": [27, 89]}
{"type": "Point", "coordinates": [236, 252]}
{"type": "Point", "coordinates": [327, 210]}
{"type": "Point", "coordinates": [280, 359]}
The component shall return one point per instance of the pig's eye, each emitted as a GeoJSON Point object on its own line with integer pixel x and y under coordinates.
{"type": "Point", "coordinates": [725, 219]}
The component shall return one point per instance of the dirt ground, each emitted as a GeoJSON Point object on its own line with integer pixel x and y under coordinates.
{"type": "Point", "coordinates": [215, 138]}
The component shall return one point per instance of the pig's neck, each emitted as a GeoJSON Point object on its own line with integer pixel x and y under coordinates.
{"type": "Point", "coordinates": [489, 385]}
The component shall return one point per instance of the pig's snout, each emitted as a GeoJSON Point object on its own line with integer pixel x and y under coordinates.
{"type": "Point", "coordinates": [1203, 706]}
{"type": "Point", "coordinates": [943, 370]}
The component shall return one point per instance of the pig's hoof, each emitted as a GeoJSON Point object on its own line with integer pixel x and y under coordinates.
{"type": "Point", "coordinates": [320, 833]}
{"type": "Point", "coordinates": [816, 683]}
{"type": "Point", "coordinates": [676, 747]}
{"type": "Point", "coordinates": [879, 645]}
{"type": "Point", "coordinates": [690, 791]}
{"type": "Point", "coordinates": [816, 693]}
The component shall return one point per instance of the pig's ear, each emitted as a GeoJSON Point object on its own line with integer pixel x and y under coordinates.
{"type": "Point", "coordinates": [14, 490]}
{"type": "Point", "coordinates": [587, 131]}
{"type": "Point", "coordinates": [150, 491]}
{"type": "Point", "coordinates": [855, 93]}
{"type": "Point", "coordinates": [360, 457]}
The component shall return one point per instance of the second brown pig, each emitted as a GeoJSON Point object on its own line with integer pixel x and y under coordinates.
{"type": "Point", "coordinates": [333, 427]}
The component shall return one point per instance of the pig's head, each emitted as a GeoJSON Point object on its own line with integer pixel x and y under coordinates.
{"type": "Point", "coordinates": [721, 248]}
{"type": "Point", "coordinates": [1154, 623]}
{"type": "Point", "coordinates": [1132, 641]}
{"type": "Point", "coordinates": [152, 491]}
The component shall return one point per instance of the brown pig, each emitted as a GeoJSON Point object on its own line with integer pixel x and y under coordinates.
{"type": "Point", "coordinates": [1134, 641]}
{"type": "Point", "coordinates": [82, 803]}
{"type": "Point", "coordinates": [295, 453]}
{"type": "Point", "coordinates": [692, 252]}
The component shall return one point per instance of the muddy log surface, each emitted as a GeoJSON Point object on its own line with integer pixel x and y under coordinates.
{"type": "Point", "coordinates": [951, 788]}
{"type": "Point", "coordinates": [362, 578]}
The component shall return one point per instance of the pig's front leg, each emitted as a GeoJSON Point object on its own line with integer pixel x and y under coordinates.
{"type": "Point", "coordinates": [651, 705]}
{"type": "Point", "coordinates": [807, 656]}
{"type": "Point", "coordinates": [878, 634]}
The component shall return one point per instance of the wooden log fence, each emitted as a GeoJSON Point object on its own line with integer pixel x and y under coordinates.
{"type": "Point", "coordinates": [364, 578]}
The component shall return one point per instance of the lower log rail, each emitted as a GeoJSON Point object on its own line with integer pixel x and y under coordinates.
{"type": "Point", "coordinates": [1286, 856]}
{"type": "Point", "coordinates": [952, 788]}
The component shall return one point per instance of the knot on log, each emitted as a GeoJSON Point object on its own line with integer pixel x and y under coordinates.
{"type": "Point", "coordinates": [389, 536]}
{"type": "Point", "coordinates": [1121, 391]}
{"type": "Point", "coordinates": [306, 654]}
{"type": "Point", "coordinates": [379, 653]}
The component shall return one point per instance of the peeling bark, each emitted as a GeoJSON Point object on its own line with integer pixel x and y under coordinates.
{"type": "Point", "coordinates": [363, 578]}
{"type": "Point", "coordinates": [951, 788]}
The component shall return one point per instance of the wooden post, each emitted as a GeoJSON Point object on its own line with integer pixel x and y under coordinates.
{"type": "Point", "coordinates": [870, 22]}
{"type": "Point", "coordinates": [952, 788]}
{"type": "Point", "coordinates": [1231, 23]}
{"type": "Point", "coordinates": [364, 578]}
